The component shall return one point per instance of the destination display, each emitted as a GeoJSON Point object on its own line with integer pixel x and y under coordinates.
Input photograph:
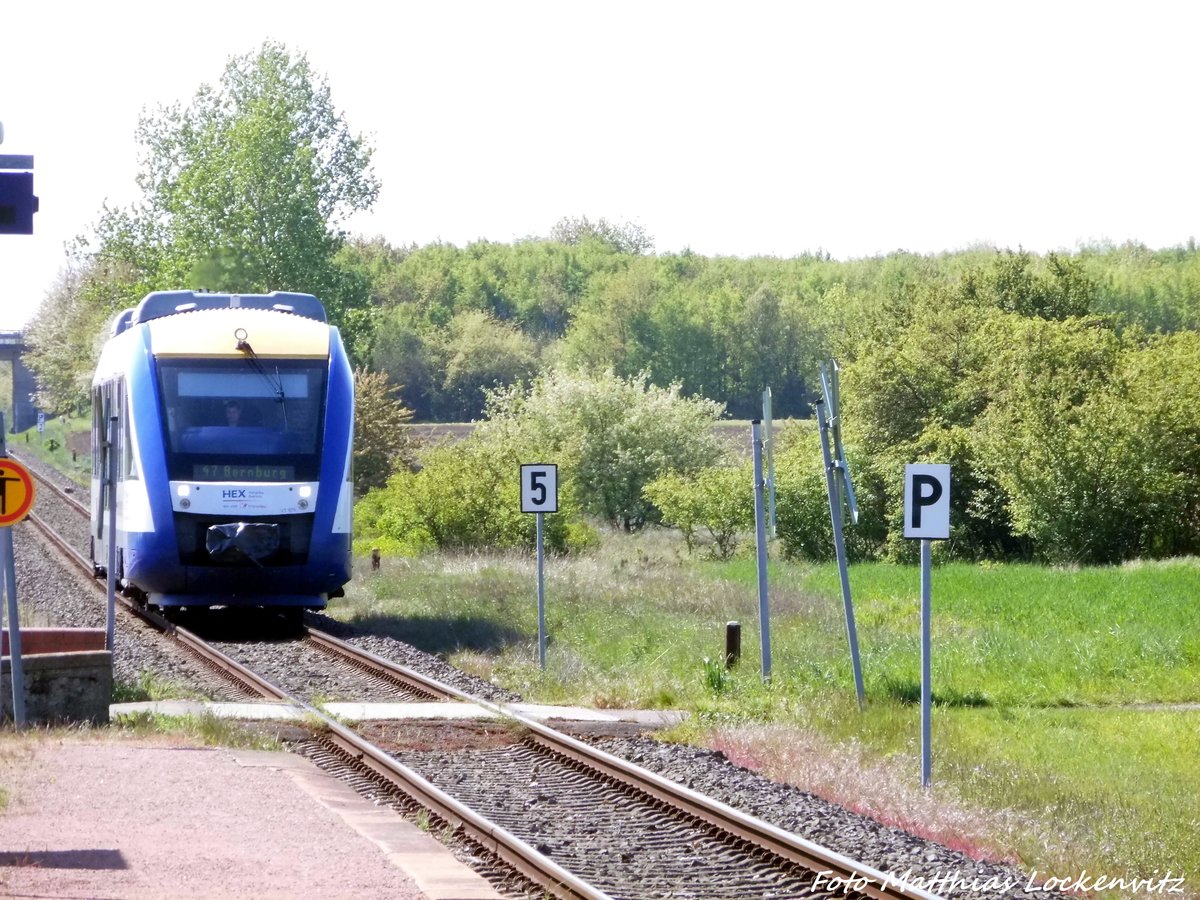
{"type": "Point", "coordinates": [238, 472]}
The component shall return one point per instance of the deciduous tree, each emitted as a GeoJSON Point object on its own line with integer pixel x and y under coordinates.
{"type": "Point", "coordinates": [381, 443]}
{"type": "Point", "coordinates": [245, 189]}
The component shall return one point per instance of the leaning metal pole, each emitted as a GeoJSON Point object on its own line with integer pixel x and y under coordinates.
{"type": "Point", "coordinates": [839, 544]}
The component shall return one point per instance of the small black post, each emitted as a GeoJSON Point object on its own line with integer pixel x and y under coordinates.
{"type": "Point", "coordinates": [375, 559]}
{"type": "Point", "coordinates": [733, 644]}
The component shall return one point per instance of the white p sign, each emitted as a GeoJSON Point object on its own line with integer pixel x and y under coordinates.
{"type": "Point", "coordinates": [927, 501]}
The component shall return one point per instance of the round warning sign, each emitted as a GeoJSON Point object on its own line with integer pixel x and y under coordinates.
{"type": "Point", "coordinates": [16, 492]}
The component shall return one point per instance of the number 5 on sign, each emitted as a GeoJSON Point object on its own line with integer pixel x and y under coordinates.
{"type": "Point", "coordinates": [539, 488]}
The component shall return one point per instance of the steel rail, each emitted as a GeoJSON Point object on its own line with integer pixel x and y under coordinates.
{"type": "Point", "coordinates": [761, 834]}
{"type": "Point", "coordinates": [784, 844]}
{"type": "Point", "coordinates": [365, 659]}
{"type": "Point", "coordinates": [227, 666]}
{"type": "Point", "coordinates": [78, 505]}
{"type": "Point", "coordinates": [77, 559]}
{"type": "Point", "coordinates": [505, 845]}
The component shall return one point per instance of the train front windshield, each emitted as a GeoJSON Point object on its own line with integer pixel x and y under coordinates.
{"type": "Point", "coordinates": [242, 419]}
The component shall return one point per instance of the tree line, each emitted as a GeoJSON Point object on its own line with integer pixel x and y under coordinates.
{"type": "Point", "coordinates": [1061, 387]}
{"type": "Point", "coordinates": [449, 322]}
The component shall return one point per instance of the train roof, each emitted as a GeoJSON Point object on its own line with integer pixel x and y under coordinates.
{"type": "Point", "coordinates": [158, 304]}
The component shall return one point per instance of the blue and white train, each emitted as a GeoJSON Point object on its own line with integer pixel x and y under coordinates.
{"type": "Point", "coordinates": [230, 419]}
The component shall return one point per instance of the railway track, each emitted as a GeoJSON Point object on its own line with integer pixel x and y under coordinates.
{"type": "Point", "coordinates": [550, 806]}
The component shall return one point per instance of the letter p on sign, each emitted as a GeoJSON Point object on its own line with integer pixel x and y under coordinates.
{"type": "Point", "coordinates": [927, 501]}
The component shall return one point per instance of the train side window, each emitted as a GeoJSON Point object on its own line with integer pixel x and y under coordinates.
{"type": "Point", "coordinates": [128, 461]}
{"type": "Point", "coordinates": [97, 431]}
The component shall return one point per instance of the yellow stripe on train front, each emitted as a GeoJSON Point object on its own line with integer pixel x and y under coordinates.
{"type": "Point", "coordinates": [216, 332]}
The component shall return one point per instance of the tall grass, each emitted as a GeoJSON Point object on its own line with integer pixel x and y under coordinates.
{"type": "Point", "coordinates": [1050, 728]}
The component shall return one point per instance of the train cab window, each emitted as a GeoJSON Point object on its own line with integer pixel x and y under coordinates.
{"type": "Point", "coordinates": [242, 420]}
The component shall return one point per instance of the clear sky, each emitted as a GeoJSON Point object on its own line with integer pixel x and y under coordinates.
{"type": "Point", "coordinates": [736, 128]}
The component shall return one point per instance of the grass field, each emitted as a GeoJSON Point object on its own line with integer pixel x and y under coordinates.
{"type": "Point", "coordinates": [1066, 727]}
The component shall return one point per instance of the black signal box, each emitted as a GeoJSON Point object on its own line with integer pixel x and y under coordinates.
{"type": "Point", "coordinates": [17, 203]}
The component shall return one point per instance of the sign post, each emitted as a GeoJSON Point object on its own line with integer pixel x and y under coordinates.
{"type": "Point", "coordinates": [760, 531]}
{"type": "Point", "coordinates": [927, 517]}
{"type": "Point", "coordinates": [841, 492]}
{"type": "Point", "coordinates": [16, 498]}
{"type": "Point", "coordinates": [539, 494]}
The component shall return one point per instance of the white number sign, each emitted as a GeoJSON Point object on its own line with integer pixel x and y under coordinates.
{"type": "Point", "coordinates": [539, 488]}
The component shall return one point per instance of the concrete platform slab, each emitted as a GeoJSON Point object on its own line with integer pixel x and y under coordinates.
{"type": "Point", "coordinates": [426, 861]}
{"type": "Point", "coordinates": [358, 712]}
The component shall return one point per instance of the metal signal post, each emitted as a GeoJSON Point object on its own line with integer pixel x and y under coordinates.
{"type": "Point", "coordinates": [760, 529]}
{"type": "Point", "coordinates": [110, 485]}
{"type": "Point", "coordinates": [841, 491]}
{"type": "Point", "coordinates": [927, 518]}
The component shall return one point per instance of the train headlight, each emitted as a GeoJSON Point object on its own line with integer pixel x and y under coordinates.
{"type": "Point", "coordinates": [303, 504]}
{"type": "Point", "coordinates": [183, 491]}
{"type": "Point", "coordinates": [305, 491]}
{"type": "Point", "coordinates": [185, 503]}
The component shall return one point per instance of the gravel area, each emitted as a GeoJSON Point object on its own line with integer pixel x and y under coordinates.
{"type": "Point", "coordinates": [624, 843]}
{"type": "Point", "coordinates": [57, 596]}
{"type": "Point", "coordinates": [890, 850]}
{"type": "Point", "coordinates": [408, 655]}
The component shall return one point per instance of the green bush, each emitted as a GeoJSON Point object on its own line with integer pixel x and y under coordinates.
{"type": "Point", "coordinates": [1068, 440]}
{"type": "Point", "coordinates": [465, 496]}
{"type": "Point", "coordinates": [802, 522]}
{"type": "Point", "coordinates": [609, 435]}
{"type": "Point", "coordinates": [1092, 436]}
{"type": "Point", "coordinates": [718, 499]}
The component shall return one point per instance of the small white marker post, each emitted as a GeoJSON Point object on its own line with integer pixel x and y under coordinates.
{"type": "Point", "coordinates": [927, 517]}
{"type": "Point", "coordinates": [539, 494]}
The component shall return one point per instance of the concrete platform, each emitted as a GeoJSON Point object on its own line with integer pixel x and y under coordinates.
{"type": "Point", "coordinates": [136, 818]}
{"type": "Point", "coordinates": [359, 712]}
{"type": "Point", "coordinates": [437, 874]}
